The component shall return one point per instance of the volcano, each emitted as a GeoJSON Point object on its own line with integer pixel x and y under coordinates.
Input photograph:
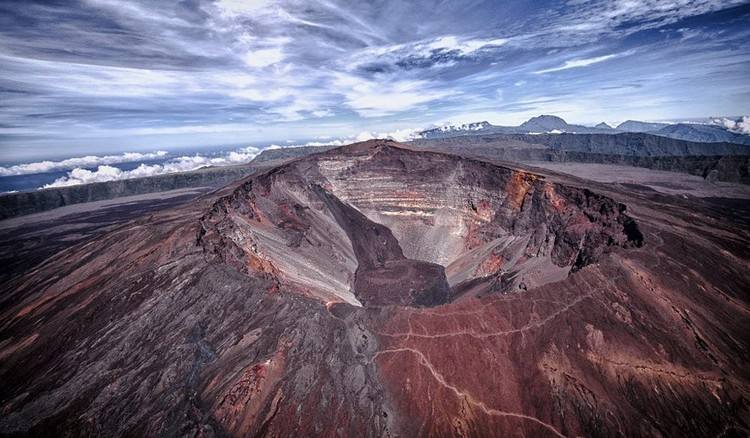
{"type": "Point", "coordinates": [379, 290]}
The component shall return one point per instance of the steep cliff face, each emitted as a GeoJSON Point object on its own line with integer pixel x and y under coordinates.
{"type": "Point", "coordinates": [300, 303]}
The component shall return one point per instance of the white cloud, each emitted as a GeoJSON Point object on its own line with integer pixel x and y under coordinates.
{"type": "Point", "coordinates": [264, 57]}
{"type": "Point", "coordinates": [405, 134]}
{"type": "Point", "coordinates": [234, 79]}
{"type": "Point", "coordinates": [325, 143]}
{"type": "Point", "coordinates": [463, 46]}
{"type": "Point", "coordinates": [575, 63]}
{"type": "Point", "coordinates": [300, 106]}
{"type": "Point", "coordinates": [380, 98]}
{"type": "Point", "coordinates": [588, 20]}
{"type": "Point", "coordinates": [70, 163]}
{"type": "Point", "coordinates": [322, 113]}
{"type": "Point", "coordinates": [364, 136]}
{"type": "Point", "coordinates": [261, 95]}
{"type": "Point", "coordinates": [739, 126]}
{"type": "Point", "coordinates": [458, 46]}
{"type": "Point", "coordinates": [400, 135]}
{"type": "Point", "coordinates": [105, 173]}
{"type": "Point", "coordinates": [242, 7]}
{"type": "Point", "coordinates": [98, 80]}
{"type": "Point", "coordinates": [134, 11]}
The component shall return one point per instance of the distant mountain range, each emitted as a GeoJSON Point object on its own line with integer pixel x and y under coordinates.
{"type": "Point", "coordinates": [547, 124]}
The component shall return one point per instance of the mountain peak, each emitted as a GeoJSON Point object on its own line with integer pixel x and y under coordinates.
{"type": "Point", "coordinates": [603, 125]}
{"type": "Point", "coordinates": [545, 123]}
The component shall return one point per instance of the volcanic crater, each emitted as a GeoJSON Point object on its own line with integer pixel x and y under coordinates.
{"type": "Point", "coordinates": [375, 290]}
{"type": "Point", "coordinates": [378, 224]}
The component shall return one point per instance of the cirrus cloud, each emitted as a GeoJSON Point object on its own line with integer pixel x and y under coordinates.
{"type": "Point", "coordinates": [214, 71]}
{"type": "Point", "coordinates": [576, 63]}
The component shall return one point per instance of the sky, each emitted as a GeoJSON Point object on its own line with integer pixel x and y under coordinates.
{"type": "Point", "coordinates": [110, 76]}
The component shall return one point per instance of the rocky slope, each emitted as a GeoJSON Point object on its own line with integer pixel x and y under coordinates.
{"type": "Point", "coordinates": [729, 163]}
{"type": "Point", "coordinates": [376, 290]}
{"type": "Point", "coordinates": [635, 144]}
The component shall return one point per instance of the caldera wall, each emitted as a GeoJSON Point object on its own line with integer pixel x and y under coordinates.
{"type": "Point", "coordinates": [368, 207]}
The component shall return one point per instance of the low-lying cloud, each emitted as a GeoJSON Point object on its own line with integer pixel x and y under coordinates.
{"type": "Point", "coordinates": [739, 126]}
{"type": "Point", "coordinates": [104, 173]}
{"type": "Point", "coordinates": [400, 135]}
{"type": "Point", "coordinates": [78, 162]}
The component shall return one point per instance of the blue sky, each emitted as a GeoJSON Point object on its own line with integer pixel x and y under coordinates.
{"type": "Point", "coordinates": [114, 75]}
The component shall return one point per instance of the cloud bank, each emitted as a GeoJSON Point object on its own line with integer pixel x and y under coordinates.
{"type": "Point", "coordinates": [400, 135]}
{"type": "Point", "coordinates": [739, 126]}
{"type": "Point", "coordinates": [105, 173]}
{"type": "Point", "coordinates": [71, 163]}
